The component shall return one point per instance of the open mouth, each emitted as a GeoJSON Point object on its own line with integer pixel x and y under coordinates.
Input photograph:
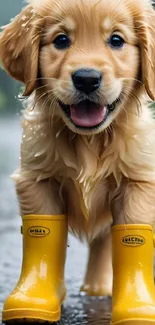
{"type": "Point", "coordinates": [87, 114]}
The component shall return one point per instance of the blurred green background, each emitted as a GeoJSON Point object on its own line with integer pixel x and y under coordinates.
{"type": "Point", "coordinates": [9, 89]}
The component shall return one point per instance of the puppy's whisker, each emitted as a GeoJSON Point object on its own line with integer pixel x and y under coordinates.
{"type": "Point", "coordinates": [138, 103]}
{"type": "Point", "coordinates": [37, 99]}
{"type": "Point", "coordinates": [123, 107]}
{"type": "Point", "coordinates": [129, 94]}
{"type": "Point", "coordinates": [40, 87]}
{"type": "Point", "coordinates": [46, 101]}
{"type": "Point", "coordinates": [132, 79]}
{"type": "Point", "coordinates": [53, 101]}
{"type": "Point", "coordinates": [51, 112]}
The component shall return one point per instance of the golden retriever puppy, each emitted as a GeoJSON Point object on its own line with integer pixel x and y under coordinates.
{"type": "Point", "coordinates": [88, 147]}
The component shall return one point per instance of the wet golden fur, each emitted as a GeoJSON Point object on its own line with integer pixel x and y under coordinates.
{"type": "Point", "coordinates": [101, 175]}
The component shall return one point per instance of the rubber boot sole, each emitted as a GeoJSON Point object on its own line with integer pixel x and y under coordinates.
{"type": "Point", "coordinates": [135, 322]}
{"type": "Point", "coordinates": [31, 315]}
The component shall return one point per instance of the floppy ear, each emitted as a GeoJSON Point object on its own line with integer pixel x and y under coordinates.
{"type": "Point", "coordinates": [146, 31]}
{"type": "Point", "coordinates": [19, 48]}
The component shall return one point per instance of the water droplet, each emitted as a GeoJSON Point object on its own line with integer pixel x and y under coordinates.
{"type": "Point", "coordinates": [23, 18]}
{"type": "Point", "coordinates": [37, 154]}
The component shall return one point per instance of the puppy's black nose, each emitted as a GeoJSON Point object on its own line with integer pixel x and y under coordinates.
{"type": "Point", "coordinates": [87, 80]}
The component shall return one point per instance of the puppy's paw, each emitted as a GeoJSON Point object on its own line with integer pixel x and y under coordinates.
{"type": "Point", "coordinates": [97, 289]}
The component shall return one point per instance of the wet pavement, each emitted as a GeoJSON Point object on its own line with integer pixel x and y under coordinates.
{"type": "Point", "coordinates": [78, 308]}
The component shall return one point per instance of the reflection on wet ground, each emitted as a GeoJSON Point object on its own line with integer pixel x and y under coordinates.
{"type": "Point", "coordinates": [83, 310]}
{"type": "Point", "coordinates": [78, 308]}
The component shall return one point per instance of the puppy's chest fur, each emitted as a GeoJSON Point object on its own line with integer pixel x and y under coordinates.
{"type": "Point", "coordinates": [90, 169]}
{"type": "Point", "coordinates": [87, 202]}
{"type": "Point", "coordinates": [86, 180]}
{"type": "Point", "coordinates": [93, 169]}
{"type": "Point", "coordinates": [82, 166]}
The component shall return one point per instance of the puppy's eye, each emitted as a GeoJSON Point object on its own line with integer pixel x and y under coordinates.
{"type": "Point", "coordinates": [62, 42]}
{"type": "Point", "coordinates": [116, 41]}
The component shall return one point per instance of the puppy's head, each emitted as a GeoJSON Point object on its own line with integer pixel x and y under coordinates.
{"type": "Point", "coordinates": [92, 55]}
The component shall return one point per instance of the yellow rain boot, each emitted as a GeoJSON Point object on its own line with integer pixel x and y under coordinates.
{"type": "Point", "coordinates": [133, 282]}
{"type": "Point", "coordinates": [41, 288]}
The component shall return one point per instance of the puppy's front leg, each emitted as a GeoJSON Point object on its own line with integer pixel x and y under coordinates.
{"type": "Point", "coordinates": [39, 197]}
{"type": "Point", "coordinates": [134, 203]}
{"type": "Point", "coordinates": [41, 288]}
{"type": "Point", "coordinates": [133, 280]}
{"type": "Point", "coordinates": [98, 278]}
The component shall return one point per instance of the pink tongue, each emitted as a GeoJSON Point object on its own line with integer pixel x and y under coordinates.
{"type": "Point", "coordinates": [87, 114]}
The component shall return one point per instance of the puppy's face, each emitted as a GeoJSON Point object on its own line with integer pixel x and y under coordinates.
{"type": "Point", "coordinates": [92, 55]}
